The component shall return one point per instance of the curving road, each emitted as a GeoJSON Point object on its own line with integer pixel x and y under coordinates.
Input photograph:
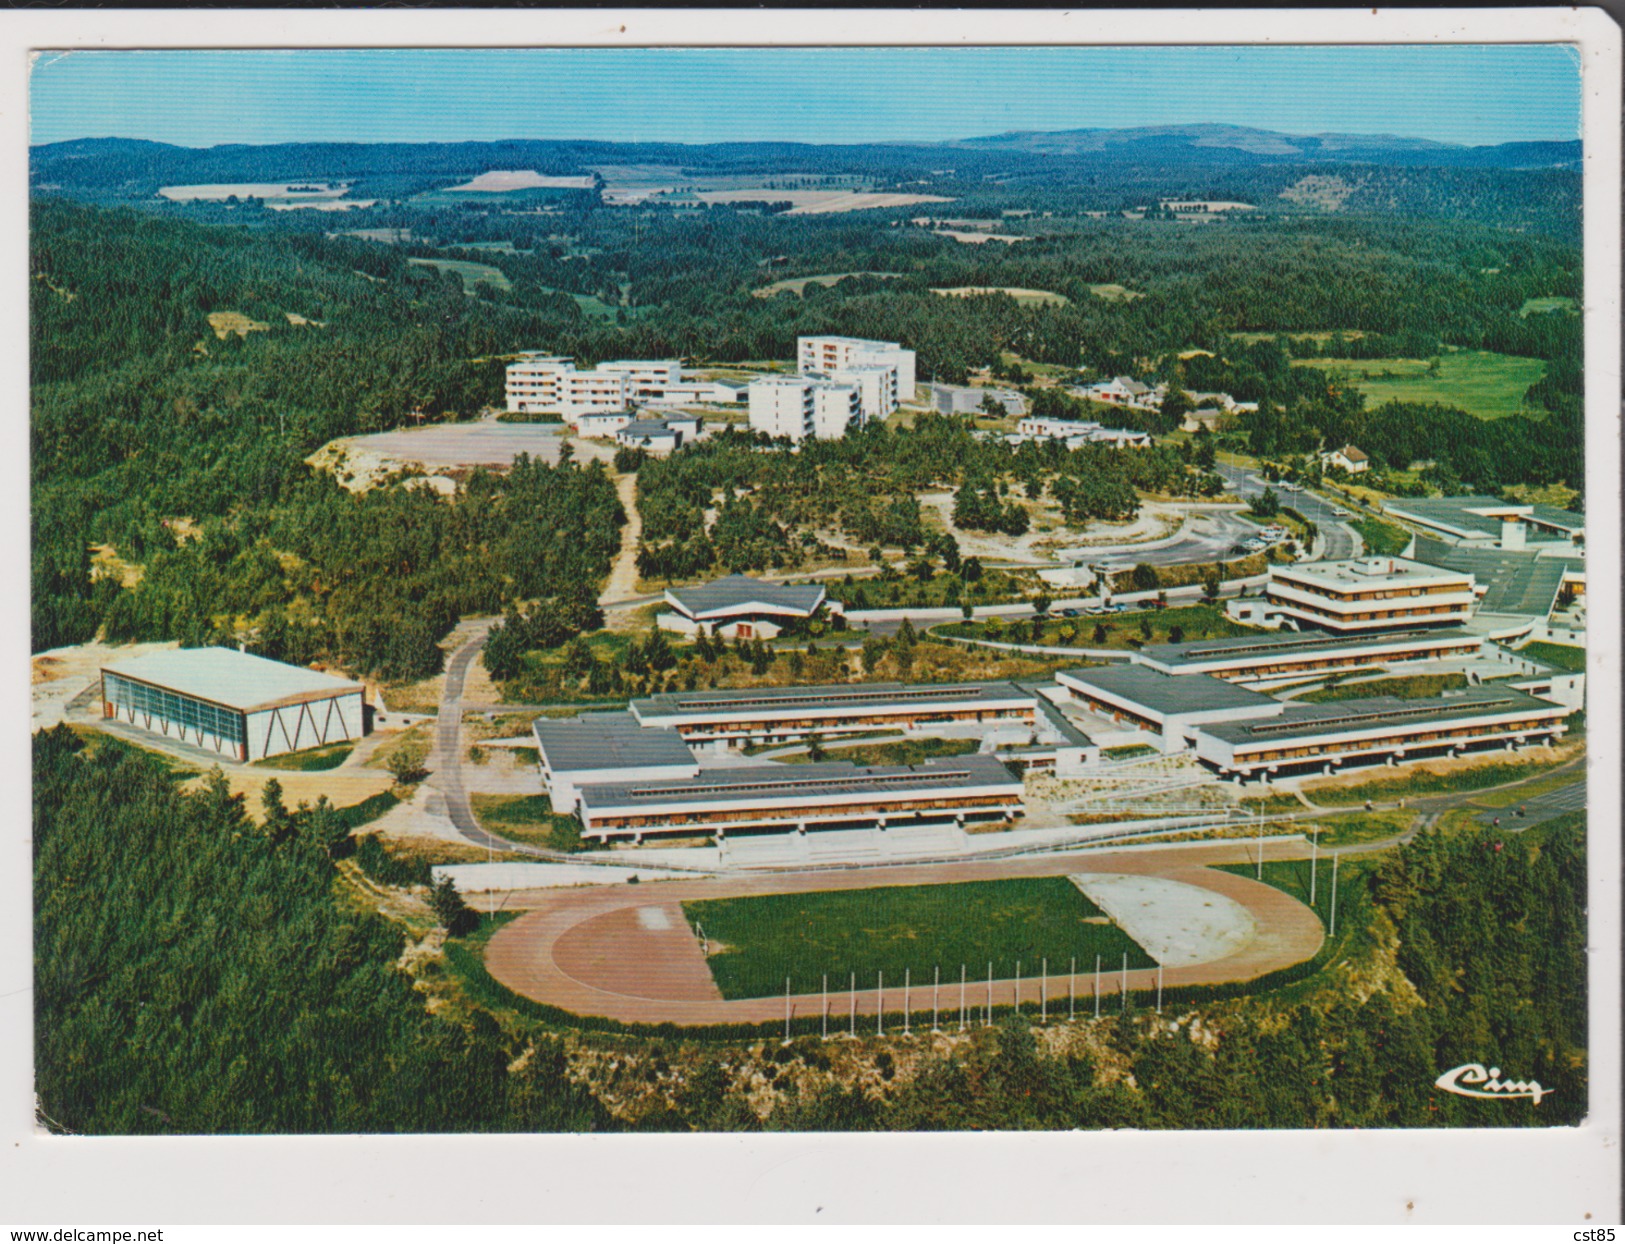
{"type": "Point", "coordinates": [1341, 541]}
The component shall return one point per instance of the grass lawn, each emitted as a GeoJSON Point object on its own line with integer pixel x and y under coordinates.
{"type": "Point", "coordinates": [918, 928]}
{"type": "Point", "coordinates": [1564, 656]}
{"type": "Point", "coordinates": [311, 760]}
{"type": "Point", "coordinates": [529, 819]}
{"type": "Point", "coordinates": [1430, 782]}
{"type": "Point", "coordinates": [798, 284]}
{"type": "Point", "coordinates": [1122, 630]}
{"type": "Point", "coordinates": [1382, 539]}
{"type": "Point", "coordinates": [1488, 385]}
{"type": "Point", "coordinates": [900, 752]}
{"type": "Point", "coordinates": [1539, 306]}
{"type": "Point", "coordinates": [1519, 794]}
{"type": "Point", "coordinates": [1414, 687]}
{"type": "Point", "coordinates": [473, 274]}
{"type": "Point", "coordinates": [1360, 827]}
{"type": "Point", "coordinates": [1024, 297]}
{"type": "Point", "coordinates": [1115, 293]}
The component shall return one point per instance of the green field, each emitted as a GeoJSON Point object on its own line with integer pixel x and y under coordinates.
{"type": "Point", "coordinates": [474, 274]}
{"type": "Point", "coordinates": [1564, 656]}
{"type": "Point", "coordinates": [913, 928]}
{"type": "Point", "coordinates": [1122, 630]}
{"type": "Point", "coordinates": [1490, 386]}
{"type": "Point", "coordinates": [1383, 539]}
{"type": "Point", "coordinates": [1115, 293]}
{"type": "Point", "coordinates": [798, 284]}
{"type": "Point", "coordinates": [1025, 297]}
{"type": "Point", "coordinates": [312, 760]}
{"type": "Point", "coordinates": [1414, 687]}
{"type": "Point", "coordinates": [1541, 306]}
{"type": "Point", "coordinates": [895, 752]}
{"type": "Point", "coordinates": [529, 819]}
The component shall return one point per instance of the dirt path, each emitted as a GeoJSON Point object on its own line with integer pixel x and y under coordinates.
{"type": "Point", "coordinates": [594, 952]}
{"type": "Point", "coordinates": [622, 584]}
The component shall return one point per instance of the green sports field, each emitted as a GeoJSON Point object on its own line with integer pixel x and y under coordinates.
{"type": "Point", "coordinates": [913, 928]}
{"type": "Point", "coordinates": [1490, 386]}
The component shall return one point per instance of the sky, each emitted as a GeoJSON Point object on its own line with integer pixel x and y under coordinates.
{"type": "Point", "coordinates": [1470, 94]}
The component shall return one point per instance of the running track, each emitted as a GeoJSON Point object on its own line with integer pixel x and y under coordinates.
{"type": "Point", "coordinates": [601, 950]}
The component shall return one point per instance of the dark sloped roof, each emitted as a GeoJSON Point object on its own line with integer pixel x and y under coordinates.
{"type": "Point", "coordinates": [1517, 581]}
{"type": "Point", "coordinates": [829, 778]}
{"type": "Point", "coordinates": [1339, 716]}
{"type": "Point", "coordinates": [1168, 694]}
{"type": "Point", "coordinates": [738, 589]}
{"type": "Point", "coordinates": [607, 741]}
{"type": "Point", "coordinates": [1288, 643]}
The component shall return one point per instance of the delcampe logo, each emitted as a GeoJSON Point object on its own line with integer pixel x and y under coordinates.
{"type": "Point", "coordinates": [1472, 1080]}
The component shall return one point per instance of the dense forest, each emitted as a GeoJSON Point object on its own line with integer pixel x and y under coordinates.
{"type": "Point", "coordinates": [195, 973]}
{"type": "Point", "coordinates": [148, 428]}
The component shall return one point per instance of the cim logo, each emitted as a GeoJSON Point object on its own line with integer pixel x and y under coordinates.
{"type": "Point", "coordinates": [1472, 1080]}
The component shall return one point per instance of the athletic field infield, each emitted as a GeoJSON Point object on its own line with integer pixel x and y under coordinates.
{"type": "Point", "coordinates": [756, 942]}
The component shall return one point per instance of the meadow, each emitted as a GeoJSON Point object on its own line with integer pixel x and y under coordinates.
{"type": "Point", "coordinates": [913, 928]}
{"type": "Point", "coordinates": [1023, 297]}
{"type": "Point", "coordinates": [1489, 386]}
{"type": "Point", "coordinates": [473, 274]}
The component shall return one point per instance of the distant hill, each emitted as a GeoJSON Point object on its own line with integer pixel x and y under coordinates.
{"type": "Point", "coordinates": [1228, 144]}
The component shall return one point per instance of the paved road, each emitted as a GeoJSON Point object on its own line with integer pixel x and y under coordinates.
{"type": "Point", "coordinates": [1205, 537]}
{"type": "Point", "coordinates": [1340, 540]}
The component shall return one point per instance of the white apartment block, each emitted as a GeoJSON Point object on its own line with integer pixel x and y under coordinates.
{"type": "Point", "coordinates": [547, 384]}
{"type": "Point", "coordinates": [782, 406]}
{"type": "Point", "coordinates": [832, 355]}
{"type": "Point", "coordinates": [836, 407]}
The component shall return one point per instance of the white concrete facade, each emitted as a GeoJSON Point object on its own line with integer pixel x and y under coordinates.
{"type": "Point", "coordinates": [1371, 594]}
{"type": "Point", "coordinates": [782, 406]}
{"type": "Point", "coordinates": [830, 355]}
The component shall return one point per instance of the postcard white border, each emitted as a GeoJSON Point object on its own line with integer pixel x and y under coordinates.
{"type": "Point", "coordinates": [1562, 1176]}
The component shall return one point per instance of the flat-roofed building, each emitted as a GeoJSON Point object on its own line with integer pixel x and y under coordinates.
{"type": "Point", "coordinates": [605, 747]}
{"type": "Point", "coordinates": [658, 436]}
{"type": "Point", "coordinates": [1302, 738]}
{"type": "Point", "coordinates": [1491, 522]}
{"type": "Point", "coordinates": [603, 425]}
{"type": "Point", "coordinates": [836, 407]}
{"type": "Point", "coordinates": [802, 798]}
{"type": "Point", "coordinates": [739, 607]}
{"type": "Point", "coordinates": [645, 378]}
{"type": "Point", "coordinates": [551, 385]}
{"type": "Point", "coordinates": [1370, 594]}
{"type": "Point", "coordinates": [788, 714]}
{"type": "Point", "coordinates": [1169, 706]}
{"type": "Point", "coordinates": [829, 355]}
{"type": "Point", "coordinates": [1077, 432]}
{"type": "Point", "coordinates": [237, 705]}
{"type": "Point", "coordinates": [1287, 656]}
{"type": "Point", "coordinates": [782, 406]}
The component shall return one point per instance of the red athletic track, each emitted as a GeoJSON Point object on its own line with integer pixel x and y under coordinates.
{"type": "Point", "coordinates": [586, 951]}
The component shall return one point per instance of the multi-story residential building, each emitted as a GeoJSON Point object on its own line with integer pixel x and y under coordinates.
{"type": "Point", "coordinates": [831, 356]}
{"type": "Point", "coordinates": [782, 406]}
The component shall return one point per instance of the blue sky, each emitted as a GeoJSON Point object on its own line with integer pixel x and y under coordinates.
{"type": "Point", "coordinates": [1465, 93]}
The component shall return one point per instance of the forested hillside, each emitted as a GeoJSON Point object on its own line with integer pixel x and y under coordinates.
{"type": "Point", "coordinates": [143, 416]}
{"type": "Point", "coordinates": [182, 371]}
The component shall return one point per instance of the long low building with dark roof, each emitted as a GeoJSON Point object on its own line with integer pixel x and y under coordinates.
{"type": "Point", "coordinates": [738, 606]}
{"type": "Point", "coordinates": [1490, 521]}
{"type": "Point", "coordinates": [802, 798]}
{"type": "Point", "coordinates": [1302, 738]}
{"type": "Point", "coordinates": [1288, 656]}
{"type": "Point", "coordinates": [787, 714]}
{"type": "Point", "coordinates": [1170, 706]}
{"type": "Point", "coordinates": [605, 747]}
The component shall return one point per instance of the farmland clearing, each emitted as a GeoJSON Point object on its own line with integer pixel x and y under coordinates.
{"type": "Point", "coordinates": [1026, 297]}
{"type": "Point", "coordinates": [1489, 386]}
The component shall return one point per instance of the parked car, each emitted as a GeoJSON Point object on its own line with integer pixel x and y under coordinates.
{"type": "Point", "coordinates": [1069, 613]}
